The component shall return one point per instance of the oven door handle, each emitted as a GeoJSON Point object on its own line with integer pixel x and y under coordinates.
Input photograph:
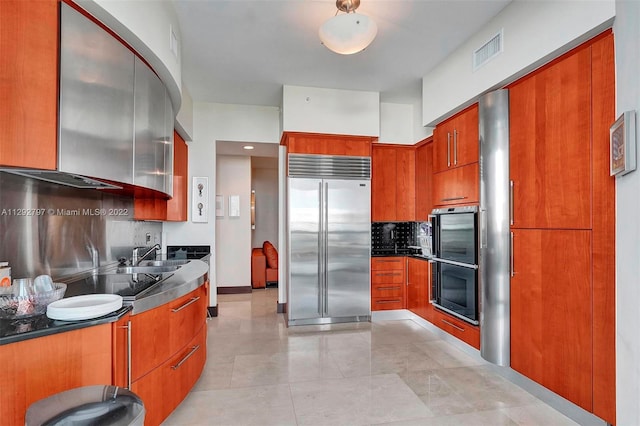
{"type": "Point", "coordinates": [453, 262]}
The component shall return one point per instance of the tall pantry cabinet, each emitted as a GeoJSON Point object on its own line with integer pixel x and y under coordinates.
{"type": "Point", "coordinates": [562, 227]}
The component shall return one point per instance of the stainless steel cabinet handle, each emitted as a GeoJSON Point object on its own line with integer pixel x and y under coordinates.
{"type": "Point", "coordinates": [388, 301]}
{"type": "Point", "coordinates": [511, 202]}
{"type": "Point", "coordinates": [128, 327]}
{"type": "Point", "coordinates": [388, 274]}
{"type": "Point", "coordinates": [386, 261]}
{"type": "Point", "coordinates": [186, 357]}
{"type": "Point", "coordinates": [455, 147]}
{"type": "Point", "coordinates": [388, 288]}
{"type": "Point", "coordinates": [511, 256]}
{"type": "Point", "coordinates": [448, 149]}
{"type": "Point", "coordinates": [452, 325]}
{"type": "Point", "coordinates": [192, 301]}
{"type": "Point", "coordinates": [452, 198]}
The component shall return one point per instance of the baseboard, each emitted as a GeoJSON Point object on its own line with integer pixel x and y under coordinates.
{"type": "Point", "coordinates": [212, 311]}
{"type": "Point", "coordinates": [234, 290]}
{"type": "Point", "coordinates": [282, 308]}
{"type": "Point", "coordinates": [396, 314]}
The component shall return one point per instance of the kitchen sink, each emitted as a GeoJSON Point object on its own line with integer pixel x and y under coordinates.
{"type": "Point", "coordinates": [146, 269]}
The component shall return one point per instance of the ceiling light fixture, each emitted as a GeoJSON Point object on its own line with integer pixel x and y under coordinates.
{"type": "Point", "coordinates": [247, 147]}
{"type": "Point", "coordinates": [348, 33]}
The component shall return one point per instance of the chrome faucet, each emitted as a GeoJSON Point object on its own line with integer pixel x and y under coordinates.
{"type": "Point", "coordinates": [136, 258]}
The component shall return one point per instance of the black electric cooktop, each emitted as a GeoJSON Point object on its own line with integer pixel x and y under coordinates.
{"type": "Point", "coordinates": [129, 286]}
{"type": "Point", "coordinates": [188, 252]}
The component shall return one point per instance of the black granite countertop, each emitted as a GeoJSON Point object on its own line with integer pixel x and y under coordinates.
{"type": "Point", "coordinates": [178, 283]}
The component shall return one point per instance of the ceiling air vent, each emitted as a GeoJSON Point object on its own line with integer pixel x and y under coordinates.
{"type": "Point", "coordinates": [488, 51]}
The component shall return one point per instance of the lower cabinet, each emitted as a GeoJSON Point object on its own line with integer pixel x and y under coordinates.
{"type": "Point", "coordinates": [168, 352]}
{"type": "Point", "coordinates": [466, 332]}
{"type": "Point", "coordinates": [40, 367]}
{"type": "Point", "coordinates": [419, 288]}
{"type": "Point", "coordinates": [551, 311]}
{"type": "Point", "coordinates": [164, 388]}
{"type": "Point", "coordinates": [388, 285]}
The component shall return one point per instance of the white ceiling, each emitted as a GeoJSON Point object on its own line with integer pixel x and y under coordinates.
{"type": "Point", "coordinates": [243, 51]}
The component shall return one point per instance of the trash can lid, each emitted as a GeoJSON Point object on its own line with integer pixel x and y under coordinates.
{"type": "Point", "coordinates": [89, 405]}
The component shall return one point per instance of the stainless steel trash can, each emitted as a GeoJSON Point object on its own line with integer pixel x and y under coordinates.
{"type": "Point", "coordinates": [90, 405]}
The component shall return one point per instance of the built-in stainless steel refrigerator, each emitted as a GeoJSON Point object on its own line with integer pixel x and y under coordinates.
{"type": "Point", "coordinates": [329, 232]}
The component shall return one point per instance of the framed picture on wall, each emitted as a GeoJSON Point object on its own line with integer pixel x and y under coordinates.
{"type": "Point", "coordinates": [622, 144]}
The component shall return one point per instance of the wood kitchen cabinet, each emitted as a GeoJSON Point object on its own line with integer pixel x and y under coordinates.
{"type": "Point", "coordinates": [456, 141]}
{"type": "Point", "coordinates": [419, 288]}
{"type": "Point", "coordinates": [550, 152]}
{"type": "Point", "coordinates": [464, 331]}
{"type": "Point", "coordinates": [169, 352]}
{"type": "Point", "coordinates": [393, 182]}
{"type": "Point", "coordinates": [29, 84]}
{"type": "Point", "coordinates": [388, 285]}
{"type": "Point", "coordinates": [457, 186]}
{"type": "Point", "coordinates": [551, 324]}
{"type": "Point", "coordinates": [174, 209]}
{"type": "Point", "coordinates": [424, 179]}
{"type": "Point", "coordinates": [40, 367]}
{"type": "Point", "coordinates": [325, 144]}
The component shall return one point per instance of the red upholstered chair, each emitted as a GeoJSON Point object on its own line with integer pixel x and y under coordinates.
{"type": "Point", "coordinates": [264, 265]}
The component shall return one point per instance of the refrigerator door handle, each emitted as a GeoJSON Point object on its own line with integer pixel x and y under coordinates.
{"type": "Point", "coordinates": [320, 248]}
{"type": "Point", "coordinates": [325, 234]}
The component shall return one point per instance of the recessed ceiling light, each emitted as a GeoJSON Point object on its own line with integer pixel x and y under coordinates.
{"type": "Point", "coordinates": [248, 147]}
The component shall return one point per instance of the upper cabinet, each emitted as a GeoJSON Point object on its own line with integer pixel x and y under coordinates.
{"type": "Point", "coordinates": [153, 149]}
{"type": "Point", "coordinates": [393, 191]}
{"type": "Point", "coordinates": [550, 155]}
{"type": "Point", "coordinates": [456, 141]}
{"type": "Point", "coordinates": [29, 83]}
{"type": "Point", "coordinates": [96, 101]}
{"type": "Point", "coordinates": [424, 178]}
{"type": "Point", "coordinates": [324, 144]}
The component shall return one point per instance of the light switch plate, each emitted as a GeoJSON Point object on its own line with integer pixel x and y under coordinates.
{"type": "Point", "coordinates": [200, 200]}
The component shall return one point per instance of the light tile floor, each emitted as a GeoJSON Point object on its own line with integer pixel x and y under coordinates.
{"type": "Point", "coordinates": [259, 372]}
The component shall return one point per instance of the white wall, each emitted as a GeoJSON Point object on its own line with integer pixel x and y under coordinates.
{"type": "Point", "coordinates": [396, 123]}
{"type": "Point", "coordinates": [146, 26]}
{"type": "Point", "coordinates": [264, 180]}
{"type": "Point", "coordinates": [233, 234]}
{"type": "Point", "coordinates": [332, 111]}
{"type": "Point", "coordinates": [213, 122]}
{"type": "Point", "coordinates": [627, 40]}
{"type": "Point", "coordinates": [534, 32]}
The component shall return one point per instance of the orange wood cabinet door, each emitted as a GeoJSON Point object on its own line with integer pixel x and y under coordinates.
{"type": "Point", "coordinates": [604, 230]}
{"type": "Point", "coordinates": [383, 183]}
{"type": "Point", "coordinates": [405, 184]}
{"type": "Point", "coordinates": [38, 368]}
{"type": "Point", "coordinates": [424, 172]}
{"type": "Point", "coordinates": [456, 141]}
{"type": "Point", "coordinates": [149, 340]}
{"type": "Point", "coordinates": [29, 83]}
{"type": "Point", "coordinates": [166, 386]}
{"type": "Point", "coordinates": [456, 186]}
{"type": "Point", "coordinates": [551, 302]}
{"type": "Point", "coordinates": [550, 147]}
{"type": "Point", "coordinates": [418, 288]}
{"type": "Point", "coordinates": [324, 144]}
{"type": "Point", "coordinates": [177, 206]}
{"type": "Point", "coordinates": [464, 331]}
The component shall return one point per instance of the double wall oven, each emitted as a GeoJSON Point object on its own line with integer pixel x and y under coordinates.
{"type": "Point", "coordinates": [455, 261]}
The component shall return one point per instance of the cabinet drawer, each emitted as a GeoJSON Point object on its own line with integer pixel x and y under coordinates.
{"type": "Point", "coordinates": [387, 277]}
{"type": "Point", "coordinates": [387, 290]}
{"type": "Point", "coordinates": [387, 263]}
{"type": "Point", "coordinates": [466, 332]}
{"type": "Point", "coordinates": [186, 316]}
{"type": "Point", "coordinates": [387, 303]}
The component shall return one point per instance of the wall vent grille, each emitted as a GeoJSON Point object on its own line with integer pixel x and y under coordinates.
{"type": "Point", "coordinates": [329, 166]}
{"type": "Point", "coordinates": [488, 51]}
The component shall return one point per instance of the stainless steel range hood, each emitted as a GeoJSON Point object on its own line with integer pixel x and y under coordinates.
{"type": "Point", "coordinates": [62, 178]}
